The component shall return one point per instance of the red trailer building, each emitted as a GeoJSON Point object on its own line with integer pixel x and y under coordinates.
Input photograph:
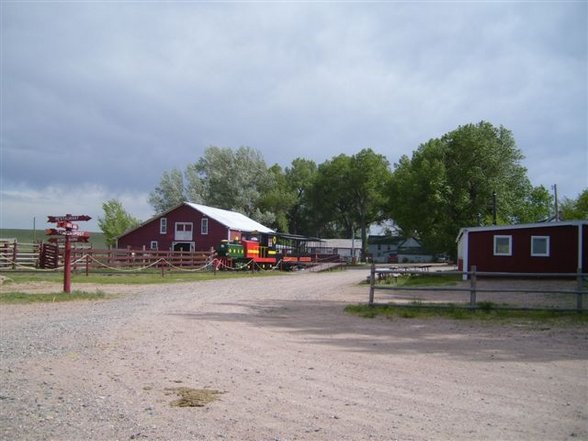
{"type": "Point", "coordinates": [190, 227]}
{"type": "Point", "coordinates": [551, 247]}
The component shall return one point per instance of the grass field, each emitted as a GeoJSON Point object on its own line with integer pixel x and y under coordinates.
{"type": "Point", "coordinates": [13, 278]}
{"type": "Point", "coordinates": [19, 297]}
{"type": "Point", "coordinates": [11, 290]}
{"type": "Point", "coordinates": [487, 311]}
{"type": "Point", "coordinates": [29, 236]}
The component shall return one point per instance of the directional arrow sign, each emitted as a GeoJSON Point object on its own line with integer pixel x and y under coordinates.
{"type": "Point", "coordinates": [62, 232]}
{"type": "Point", "coordinates": [68, 218]}
{"type": "Point", "coordinates": [71, 239]}
{"type": "Point", "coordinates": [67, 225]}
{"type": "Point", "coordinates": [77, 233]}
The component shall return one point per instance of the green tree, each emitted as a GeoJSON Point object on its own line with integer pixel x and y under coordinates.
{"type": "Point", "coordinates": [329, 198]}
{"type": "Point", "coordinates": [116, 221]}
{"type": "Point", "coordinates": [235, 180]}
{"type": "Point", "coordinates": [575, 209]}
{"type": "Point", "coordinates": [534, 206]}
{"type": "Point", "coordinates": [449, 183]}
{"type": "Point", "coordinates": [349, 193]}
{"type": "Point", "coordinates": [170, 191]}
{"type": "Point", "coordinates": [278, 199]}
{"type": "Point", "coordinates": [370, 174]}
{"type": "Point", "coordinates": [223, 178]}
{"type": "Point", "coordinates": [300, 177]}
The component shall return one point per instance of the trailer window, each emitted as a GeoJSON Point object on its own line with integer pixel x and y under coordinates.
{"type": "Point", "coordinates": [503, 245]}
{"type": "Point", "coordinates": [540, 246]}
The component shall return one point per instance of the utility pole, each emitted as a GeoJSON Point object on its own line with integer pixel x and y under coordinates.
{"type": "Point", "coordinates": [556, 217]}
{"type": "Point", "coordinates": [494, 220]}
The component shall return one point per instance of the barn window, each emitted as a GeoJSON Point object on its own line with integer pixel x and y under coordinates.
{"type": "Point", "coordinates": [204, 226]}
{"type": "Point", "coordinates": [503, 245]}
{"type": "Point", "coordinates": [154, 245]}
{"type": "Point", "coordinates": [184, 226]}
{"type": "Point", "coordinates": [540, 246]}
{"type": "Point", "coordinates": [163, 225]}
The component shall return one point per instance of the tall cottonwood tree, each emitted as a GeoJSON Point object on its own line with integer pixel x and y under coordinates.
{"type": "Point", "coordinates": [278, 199]}
{"type": "Point", "coordinates": [449, 183]}
{"type": "Point", "coordinates": [370, 174]}
{"type": "Point", "coordinates": [349, 193]}
{"type": "Point", "coordinates": [233, 179]}
{"type": "Point", "coordinates": [170, 192]}
{"type": "Point", "coordinates": [299, 179]}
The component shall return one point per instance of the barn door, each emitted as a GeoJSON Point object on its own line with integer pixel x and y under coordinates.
{"type": "Point", "coordinates": [183, 231]}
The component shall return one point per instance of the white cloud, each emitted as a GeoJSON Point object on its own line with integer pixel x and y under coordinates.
{"type": "Point", "coordinates": [21, 207]}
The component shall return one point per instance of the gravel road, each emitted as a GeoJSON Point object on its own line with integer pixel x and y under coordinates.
{"type": "Point", "coordinates": [290, 363]}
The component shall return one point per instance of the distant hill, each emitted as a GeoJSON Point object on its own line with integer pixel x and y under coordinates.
{"type": "Point", "coordinates": [29, 236]}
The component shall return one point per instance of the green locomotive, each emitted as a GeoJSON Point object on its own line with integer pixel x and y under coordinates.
{"type": "Point", "coordinates": [231, 250]}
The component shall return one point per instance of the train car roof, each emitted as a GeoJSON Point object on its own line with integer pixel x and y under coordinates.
{"type": "Point", "coordinates": [299, 237]}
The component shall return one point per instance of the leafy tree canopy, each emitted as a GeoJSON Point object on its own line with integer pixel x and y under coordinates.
{"type": "Point", "coordinates": [446, 184]}
{"type": "Point", "coordinates": [222, 177]}
{"type": "Point", "coordinates": [449, 183]}
{"type": "Point", "coordinates": [575, 209]}
{"type": "Point", "coordinates": [349, 193]}
{"type": "Point", "coordinates": [116, 221]}
{"type": "Point", "coordinates": [299, 180]}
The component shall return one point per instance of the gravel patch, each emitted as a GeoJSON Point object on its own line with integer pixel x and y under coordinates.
{"type": "Point", "coordinates": [287, 363]}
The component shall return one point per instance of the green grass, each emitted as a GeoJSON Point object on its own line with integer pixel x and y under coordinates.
{"type": "Point", "coordinates": [20, 297]}
{"type": "Point", "coordinates": [425, 280]}
{"type": "Point", "coordinates": [486, 311]}
{"type": "Point", "coordinates": [97, 240]}
{"type": "Point", "coordinates": [143, 278]}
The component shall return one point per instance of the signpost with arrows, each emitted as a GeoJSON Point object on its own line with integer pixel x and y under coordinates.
{"type": "Point", "coordinates": [66, 228]}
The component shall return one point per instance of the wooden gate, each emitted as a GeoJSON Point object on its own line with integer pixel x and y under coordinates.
{"type": "Point", "coordinates": [49, 256]}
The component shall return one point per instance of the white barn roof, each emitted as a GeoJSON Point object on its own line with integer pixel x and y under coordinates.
{"type": "Point", "coordinates": [231, 219]}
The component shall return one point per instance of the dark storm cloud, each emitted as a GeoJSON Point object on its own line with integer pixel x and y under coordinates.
{"type": "Point", "coordinates": [107, 96]}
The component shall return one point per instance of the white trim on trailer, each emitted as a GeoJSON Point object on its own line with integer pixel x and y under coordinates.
{"type": "Point", "coordinates": [466, 255]}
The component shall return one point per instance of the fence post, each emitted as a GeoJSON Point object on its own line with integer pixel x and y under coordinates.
{"type": "Point", "coordinates": [14, 254]}
{"type": "Point", "coordinates": [579, 293]}
{"type": "Point", "coordinates": [473, 288]}
{"type": "Point", "coordinates": [372, 283]}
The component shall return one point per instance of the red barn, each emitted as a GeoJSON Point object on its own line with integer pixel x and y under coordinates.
{"type": "Point", "coordinates": [554, 247]}
{"type": "Point", "coordinates": [189, 227]}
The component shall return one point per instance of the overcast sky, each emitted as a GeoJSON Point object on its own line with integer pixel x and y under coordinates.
{"type": "Point", "coordinates": [100, 98]}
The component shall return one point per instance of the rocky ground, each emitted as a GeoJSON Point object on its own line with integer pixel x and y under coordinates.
{"type": "Point", "coordinates": [289, 365]}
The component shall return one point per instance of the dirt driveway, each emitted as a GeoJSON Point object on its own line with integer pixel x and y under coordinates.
{"type": "Point", "coordinates": [290, 363]}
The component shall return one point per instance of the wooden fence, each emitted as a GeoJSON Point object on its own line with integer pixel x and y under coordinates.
{"type": "Point", "coordinates": [20, 256]}
{"type": "Point", "coordinates": [561, 291]}
{"type": "Point", "coordinates": [14, 254]}
{"type": "Point", "coordinates": [126, 259]}
{"type": "Point", "coordinates": [48, 256]}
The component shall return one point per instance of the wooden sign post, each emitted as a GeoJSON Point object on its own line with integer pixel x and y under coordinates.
{"type": "Point", "coordinates": [66, 228]}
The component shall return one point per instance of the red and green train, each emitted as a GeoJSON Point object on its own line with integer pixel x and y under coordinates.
{"type": "Point", "coordinates": [266, 251]}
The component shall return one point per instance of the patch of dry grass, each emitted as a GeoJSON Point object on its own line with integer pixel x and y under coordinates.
{"type": "Point", "coordinates": [190, 397]}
